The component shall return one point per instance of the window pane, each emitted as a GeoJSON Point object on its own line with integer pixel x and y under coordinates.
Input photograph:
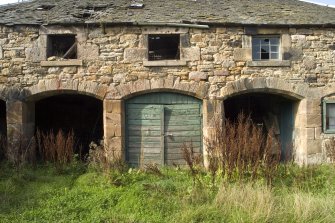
{"type": "Point", "coordinates": [255, 41]}
{"type": "Point", "coordinates": [274, 49]}
{"type": "Point", "coordinates": [265, 56]}
{"type": "Point", "coordinates": [330, 116]}
{"type": "Point", "coordinates": [265, 41]}
{"type": "Point", "coordinates": [274, 41]}
{"type": "Point", "coordinates": [274, 56]}
{"type": "Point", "coordinates": [265, 49]}
{"type": "Point", "coordinates": [255, 55]}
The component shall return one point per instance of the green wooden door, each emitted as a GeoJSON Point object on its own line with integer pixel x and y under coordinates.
{"type": "Point", "coordinates": [158, 124]}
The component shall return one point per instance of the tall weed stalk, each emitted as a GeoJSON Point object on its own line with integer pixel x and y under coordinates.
{"type": "Point", "coordinates": [243, 150]}
{"type": "Point", "coordinates": [56, 148]}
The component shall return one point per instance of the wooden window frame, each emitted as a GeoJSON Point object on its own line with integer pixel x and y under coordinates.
{"type": "Point", "coordinates": [152, 58]}
{"type": "Point", "coordinates": [279, 54]}
{"type": "Point", "coordinates": [324, 115]}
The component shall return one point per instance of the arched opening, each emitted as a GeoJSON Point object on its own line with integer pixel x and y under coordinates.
{"type": "Point", "coordinates": [157, 125]}
{"type": "Point", "coordinates": [268, 111]}
{"type": "Point", "coordinates": [71, 112]}
{"type": "Point", "coordinates": [3, 128]}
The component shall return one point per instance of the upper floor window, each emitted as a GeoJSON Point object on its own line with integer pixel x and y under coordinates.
{"type": "Point", "coordinates": [62, 46]}
{"type": "Point", "coordinates": [163, 47]}
{"type": "Point", "coordinates": [266, 48]}
{"type": "Point", "coordinates": [329, 116]}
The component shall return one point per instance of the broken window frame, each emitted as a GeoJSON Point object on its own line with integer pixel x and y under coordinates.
{"type": "Point", "coordinates": [156, 56]}
{"type": "Point", "coordinates": [69, 52]}
{"type": "Point", "coordinates": [274, 48]}
{"type": "Point", "coordinates": [325, 116]}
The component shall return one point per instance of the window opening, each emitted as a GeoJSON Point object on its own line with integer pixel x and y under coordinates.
{"type": "Point", "coordinates": [329, 116]}
{"type": "Point", "coordinates": [62, 46]}
{"type": "Point", "coordinates": [265, 48]}
{"type": "Point", "coordinates": [164, 47]}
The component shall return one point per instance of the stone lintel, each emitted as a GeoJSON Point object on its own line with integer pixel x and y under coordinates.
{"type": "Point", "coordinates": [61, 63]}
{"type": "Point", "coordinates": [164, 63]}
{"type": "Point", "coordinates": [269, 63]}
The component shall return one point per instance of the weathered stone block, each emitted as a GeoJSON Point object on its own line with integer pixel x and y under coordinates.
{"type": "Point", "coordinates": [1, 53]}
{"type": "Point", "coordinates": [88, 51]}
{"type": "Point", "coordinates": [190, 54]}
{"type": "Point", "coordinates": [221, 72]}
{"type": "Point", "coordinates": [14, 112]}
{"type": "Point", "coordinates": [70, 70]}
{"type": "Point", "coordinates": [134, 54]}
{"type": "Point", "coordinates": [309, 63]}
{"type": "Point", "coordinates": [242, 54]}
{"type": "Point", "coordinates": [313, 146]}
{"type": "Point", "coordinates": [112, 130]}
{"type": "Point", "coordinates": [198, 76]}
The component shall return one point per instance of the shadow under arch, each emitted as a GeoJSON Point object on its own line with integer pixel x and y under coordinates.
{"type": "Point", "coordinates": [68, 111]}
{"type": "Point", "coordinates": [277, 86]}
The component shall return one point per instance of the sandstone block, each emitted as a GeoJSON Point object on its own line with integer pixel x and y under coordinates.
{"type": "Point", "coordinates": [309, 63]}
{"type": "Point", "coordinates": [242, 54]}
{"type": "Point", "coordinates": [134, 54]}
{"type": "Point", "coordinates": [190, 54]}
{"type": "Point", "coordinates": [198, 76]}
{"type": "Point", "coordinates": [88, 51]}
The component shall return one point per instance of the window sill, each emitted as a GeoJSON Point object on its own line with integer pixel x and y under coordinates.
{"type": "Point", "coordinates": [269, 63]}
{"type": "Point", "coordinates": [61, 63]}
{"type": "Point", "coordinates": [164, 63]}
{"type": "Point", "coordinates": [329, 131]}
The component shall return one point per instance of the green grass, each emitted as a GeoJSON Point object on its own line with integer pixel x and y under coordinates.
{"type": "Point", "coordinates": [78, 194]}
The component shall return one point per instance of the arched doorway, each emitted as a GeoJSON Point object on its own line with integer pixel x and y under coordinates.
{"type": "Point", "coordinates": [81, 114]}
{"type": "Point", "coordinates": [268, 111]}
{"type": "Point", "coordinates": [3, 128]}
{"type": "Point", "coordinates": [157, 125]}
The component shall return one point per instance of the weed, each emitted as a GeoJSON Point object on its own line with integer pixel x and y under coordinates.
{"type": "Point", "coordinates": [193, 160]}
{"type": "Point", "coordinates": [56, 148]}
{"type": "Point", "coordinates": [19, 150]}
{"type": "Point", "coordinates": [99, 159]}
{"type": "Point", "coordinates": [242, 150]}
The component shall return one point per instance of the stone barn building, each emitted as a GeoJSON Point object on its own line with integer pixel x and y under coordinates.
{"type": "Point", "coordinates": [146, 75]}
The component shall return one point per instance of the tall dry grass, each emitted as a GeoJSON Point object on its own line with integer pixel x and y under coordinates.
{"type": "Point", "coordinates": [56, 148]}
{"type": "Point", "coordinates": [243, 149]}
{"type": "Point", "coordinates": [256, 203]}
{"type": "Point", "coordinates": [192, 159]}
{"type": "Point", "coordinates": [18, 150]}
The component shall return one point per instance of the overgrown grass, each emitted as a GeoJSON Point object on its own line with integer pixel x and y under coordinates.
{"type": "Point", "coordinates": [80, 194]}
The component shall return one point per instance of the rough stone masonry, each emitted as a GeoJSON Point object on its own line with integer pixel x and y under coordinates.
{"type": "Point", "coordinates": [216, 63]}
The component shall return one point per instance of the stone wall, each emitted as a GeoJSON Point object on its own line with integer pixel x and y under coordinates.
{"type": "Point", "coordinates": [215, 64]}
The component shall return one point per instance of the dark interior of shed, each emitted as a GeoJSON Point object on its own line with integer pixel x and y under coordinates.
{"type": "Point", "coordinates": [78, 113]}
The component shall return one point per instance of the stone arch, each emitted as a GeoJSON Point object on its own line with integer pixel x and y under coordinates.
{"type": "Point", "coordinates": [297, 95]}
{"type": "Point", "coordinates": [169, 84]}
{"type": "Point", "coordinates": [266, 85]}
{"type": "Point", "coordinates": [47, 88]}
{"type": "Point", "coordinates": [328, 91]}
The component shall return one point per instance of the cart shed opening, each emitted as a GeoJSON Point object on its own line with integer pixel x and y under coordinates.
{"type": "Point", "coordinates": [67, 112]}
{"type": "Point", "coordinates": [3, 128]}
{"type": "Point", "coordinates": [268, 111]}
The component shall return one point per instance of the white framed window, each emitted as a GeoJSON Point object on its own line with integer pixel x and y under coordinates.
{"type": "Point", "coordinates": [329, 116]}
{"type": "Point", "coordinates": [266, 48]}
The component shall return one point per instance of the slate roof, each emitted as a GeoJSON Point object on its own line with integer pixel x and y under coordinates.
{"type": "Point", "coordinates": [247, 12]}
